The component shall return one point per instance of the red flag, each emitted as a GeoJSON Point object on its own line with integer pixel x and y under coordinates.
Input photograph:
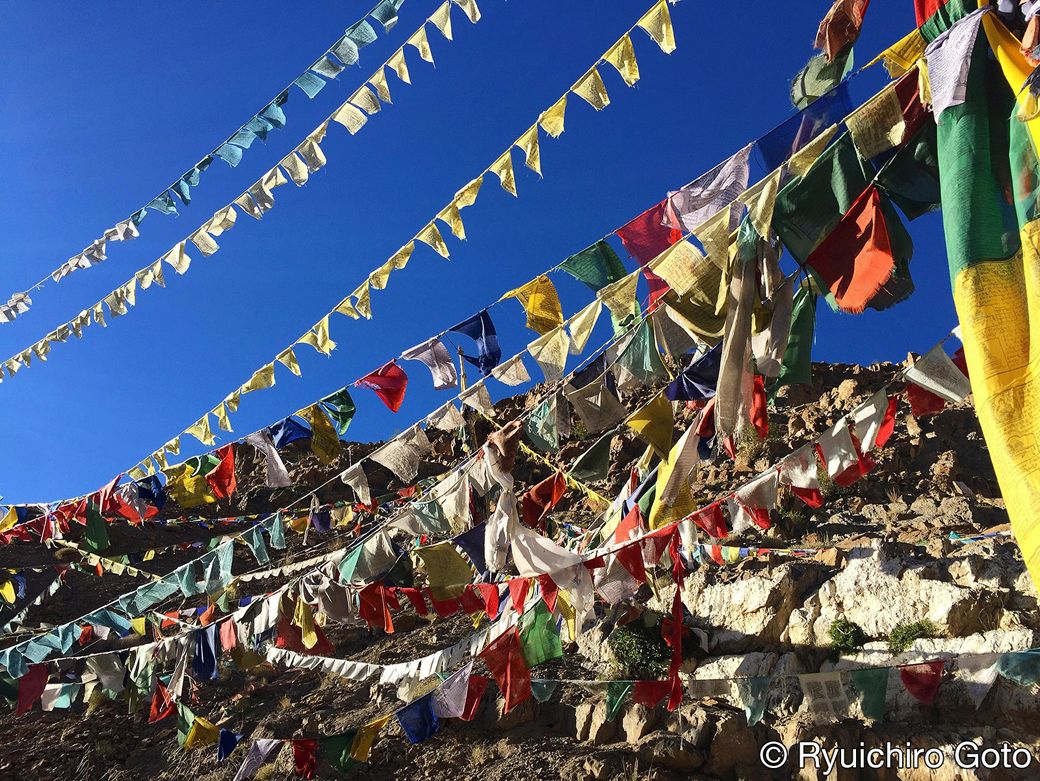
{"type": "Point", "coordinates": [855, 260]}
{"type": "Point", "coordinates": [489, 591]}
{"type": "Point", "coordinates": [711, 520]}
{"type": "Point", "coordinates": [416, 598]}
{"type": "Point", "coordinates": [542, 497]}
{"type": "Point", "coordinates": [631, 558]}
{"type": "Point", "coordinates": [549, 591]}
{"type": "Point", "coordinates": [471, 600]}
{"type": "Point", "coordinates": [923, 402]}
{"type": "Point", "coordinates": [305, 757]}
{"type": "Point", "coordinates": [674, 639]}
{"type": "Point", "coordinates": [648, 235]}
{"type": "Point", "coordinates": [221, 479]}
{"type": "Point", "coordinates": [474, 694]}
{"type": "Point", "coordinates": [389, 382]}
{"type": "Point", "coordinates": [162, 703]}
{"type": "Point", "coordinates": [373, 607]}
{"type": "Point", "coordinates": [758, 412]}
{"type": "Point", "coordinates": [518, 592]}
{"type": "Point", "coordinates": [888, 423]}
{"type": "Point", "coordinates": [505, 659]}
{"type": "Point", "coordinates": [32, 684]}
{"type": "Point", "coordinates": [228, 635]}
{"type": "Point", "coordinates": [925, 8]}
{"type": "Point", "coordinates": [442, 607]}
{"type": "Point", "coordinates": [650, 693]}
{"type": "Point", "coordinates": [290, 637]}
{"type": "Point", "coordinates": [633, 522]}
{"type": "Point", "coordinates": [922, 680]}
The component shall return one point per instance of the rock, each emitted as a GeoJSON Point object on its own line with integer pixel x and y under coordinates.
{"type": "Point", "coordinates": [754, 609]}
{"type": "Point", "coordinates": [880, 588]}
{"type": "Point", "coordinates": [732, 753]}
{"type": "Point", "coordinates": [668, 750]}
{"type": "Point", "coordinates": [638, 721]}
{"type": "Point", "coordinates": [521, 714]}
{"type": "Point", "coordinates": [592, 725]}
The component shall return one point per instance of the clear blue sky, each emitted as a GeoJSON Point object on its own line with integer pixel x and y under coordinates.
{"type": "Point", "coordinates": [108, 102]}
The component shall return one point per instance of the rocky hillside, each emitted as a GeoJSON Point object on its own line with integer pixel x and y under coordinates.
{"type": "Point", "coordinates": [886, 585]}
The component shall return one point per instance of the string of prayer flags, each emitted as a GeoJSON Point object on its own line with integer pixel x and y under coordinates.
{"type": "Point", "coordinates": [335, 59]}
{"type": "Point", "coordinates": [389, 383]}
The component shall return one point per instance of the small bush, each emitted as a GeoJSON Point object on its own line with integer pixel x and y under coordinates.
{"type": "Point", "coordinates": [904, 635]}
{"type": "Point", "coordinates": [846, 636]}
{"type": "Point", "coordinates": [640, 652]}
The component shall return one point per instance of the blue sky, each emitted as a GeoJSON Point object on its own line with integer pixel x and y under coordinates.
{"type": "Point", "coordinates": [109, 102]}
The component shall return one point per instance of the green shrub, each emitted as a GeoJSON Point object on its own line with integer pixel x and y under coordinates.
{"type": "Point", "coordinates": [903, 636]}
{"type": "Point", "coordinates": [640, 653]}
{"type": "Point", "coordinates": [846, 636]}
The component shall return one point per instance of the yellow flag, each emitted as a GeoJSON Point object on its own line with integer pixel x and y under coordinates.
{"type": "Point", "coordinates": [658, 24]}
{"type": "Point", "coordinates": [654, 424]}
{"type": "Point", "coordinates": [678, 266]}
{"type": "Point", "coordinates": [422, 44]}
{"type": "Point", "coordinates": [802, 160]}
{"type": "Point", "coordinates": [262, 378]}
{"type": "Point", "coordinates": [432, 237]}
{"type": "Point", "coordinates": [469, 7]}
{"type": "Point", "coordinates": [222, 417]}
{"type": "Point", "coordinates": [620, 296]}
{"type": "Point", "coordinates": [366, 736]}
{"type": "Point", "coordinates": [287, 358]}
{"type": "Point", "coordinates": [174, 445]}
{"type": "Point", "coordinates": [378, 81]}
{"type": "Point", "coordinates": [365, 99]}
{"type": "Point", "coordinates": [592, 90]}
{"type": "Point", "coordinates": [380, 276]}
{"type": "Point", "coordinates": [10, 519]}
{"type": "Point", "coordinates": [760, 200]}
{"type": "Point", "coordinates": [318, 337]}
{"type": "Point", "coordinates": [622, 55]}
{"type": "Point", "coordinates": [232, 400]}
{"type": "Point", "coordinates": [363, 300]}
{"type": "Point", "coordinates": [178, 258]}
{"type": "Point", "coordinates": [503, 169]}
{"type": "Point", "coordinates": [400, 258]}
{"type": "Point", "coordinates": [346, 307]}
{"type": "Point", "coordinates": [138, 625]}
{"type": "Point", "coordinates": [541, 302]}
{"type": "Point", "coordinates": [350, 116]}
{"type": "Point", "coordinates": [452, 217]}
{"type": "Point", "coordinates": [399, 65]}
{"type": "Point", "coordinates": [201, 431]}
{"type": "Point", "coordinates": [324, 441]}
{"type": "Point", "coordinates": [901, 55]}
{"type": "Point", "coordinates": [448, 572]}
{"type": "Point", "coordinates": [581, 325]}
{"type": "Point", "coordinates": [303, 617]}
{"type": "Point", "coordinates": [467, 196]}
{"type": "Point", "coordinates": [441, 19]}
{"type": "Point", "coordinates": [186, 490]}
{"type": "Point", "coordinates": [528, 143]}
{"type": "Point", "coordinates": [551, 119]}
{"type": "Point", "coordinates": [202, 733]}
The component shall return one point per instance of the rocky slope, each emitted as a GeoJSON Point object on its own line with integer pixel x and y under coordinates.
{"type": "Point", "coordinates": [887, 562]}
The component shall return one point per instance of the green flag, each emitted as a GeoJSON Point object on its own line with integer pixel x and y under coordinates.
{"type": "Point", "coordinates": [640, 358]}
{"type": "Point", "coordinates": [96, 537]}
{"type": "Point", "coordinates": [596, 266]}
{"type": "Point", "coordinates": [819, 77]}
{"type": "Point", "coordinates": [797, 364]}
{"type": "Point", "coordinates": [617, 695]}
{"type": "Point", "coordinates": [541, 426]}
{"type": "Point", "coordinates": [871, 683]}
{"type": "Point", "coordinates": [594, 463]}
{"type": "Point", "coordinates": [336, 749]}
{"type": "Point", "coordinates": [340, 408]}
{"type": "Point", "coordinates": [538, 636]}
